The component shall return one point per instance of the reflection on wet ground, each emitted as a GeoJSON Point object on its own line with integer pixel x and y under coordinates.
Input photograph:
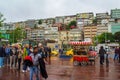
{"type": "Point", "coordinates": [59, 70]}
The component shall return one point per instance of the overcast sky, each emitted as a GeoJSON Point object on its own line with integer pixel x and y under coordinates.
{"type": "Point", "coordinates": [20, 10]}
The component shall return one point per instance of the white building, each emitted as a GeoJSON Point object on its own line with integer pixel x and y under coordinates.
{"type": "Point", "coordinates": [35, 34]}
{"type": "Point", "coordinates": [51, 33]}
{"type": "Point", "coordinates": [101, 29]}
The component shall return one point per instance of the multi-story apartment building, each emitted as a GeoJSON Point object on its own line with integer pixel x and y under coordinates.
{"type": "Point", "coordinates": [68, 19]}
{"type": "Point", "coordinates": [90, 32]}
{"type": "Point", "coordinates": [75, 35]}
{"type": "Point", "coordinates": [84, 19]}
{"type": "Point", "coordinates": [115, 14]}
{"type": "Point", "coordinates": [101, 29]}
{"type": "Point", "coordinates": [7, 26]}
{"type": "Point", "coordinates": [35, 34]}
{"type": "Point", "coordinates": [50, 21]}
{"type": "Point", "coordinates": [47, 22]}
{"type": "Point", "coordinates": [51, 33]}
{"type": "Point", "coordinates": [102, 18]}
{"type": "Point", "coordinates": [59, 19]}
{"type": "Point", "coordinates": [60, 26]}
{"type": "Point", "coordinates": [114, 27]}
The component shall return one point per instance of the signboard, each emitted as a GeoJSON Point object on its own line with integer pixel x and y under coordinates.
{"type": "Point", "coordinates": [115, 13]}
{"type": "Point", "coordinates": [2, 31]}
{"type": "Point", "coordinates": [85, 15]}
{"type": "Point", "coordinates": [6, 36]}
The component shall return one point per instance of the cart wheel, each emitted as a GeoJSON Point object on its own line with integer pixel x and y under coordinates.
{"type": "Point", "coordinates": [83, 63]}
{"type": "Point", "coordinates": [75, 63]}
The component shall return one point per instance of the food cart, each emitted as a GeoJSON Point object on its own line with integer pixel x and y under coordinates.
{"type": "Point", "coordinates": [82, 54]}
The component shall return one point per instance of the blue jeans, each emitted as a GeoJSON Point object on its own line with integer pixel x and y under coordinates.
{"type": "Point", "coordinates": [1, 61]}
{"type": "Point", "coordinates": [116, 56]}
{"type": "Point", "coordinates": [34, 70]}
{"type": "Point", "coordinates": [24, 67]}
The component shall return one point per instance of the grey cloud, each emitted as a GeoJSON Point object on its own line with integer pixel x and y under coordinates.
{"type": "Point", "coordinates": [17, 10]}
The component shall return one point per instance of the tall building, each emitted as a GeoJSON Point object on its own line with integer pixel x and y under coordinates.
{"type": "Point", "coordinates": [90, 32]}
{"type": "Point", "coordinates": [68, 19]}
{"type": "Point", "coordinates": [84, 19]}
{"type": "Point", "coordinates": [59, 19]}
{"type": "Point", "coordinates": [35, 34]}
{"type": "Point", "coordinates": [7, 26]}
{"type": "Point", "coordinates": [115, 14]}
{"type": "Point", "coordinates": [51, 33]}
{"type": "Point", "coordinates": [101, 29]}
{"type": "Point", "coordinates": [75, 35]}
{"type": "Point", "coordinates": [114, 27]}
{"type": "Point", "coordinates": [102, 18]}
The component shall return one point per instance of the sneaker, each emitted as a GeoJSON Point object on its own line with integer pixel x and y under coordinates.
{"type": "Point", "coordinates": [28, 69]}
{"type": "Point", "coordinates": [24, 71]}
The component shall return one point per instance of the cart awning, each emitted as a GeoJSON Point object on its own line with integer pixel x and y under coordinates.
{"type": "Point", "coordinates": [80, 43]}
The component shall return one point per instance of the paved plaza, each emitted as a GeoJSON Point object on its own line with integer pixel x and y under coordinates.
{"type": "Point", "coordinates": [64, 70]}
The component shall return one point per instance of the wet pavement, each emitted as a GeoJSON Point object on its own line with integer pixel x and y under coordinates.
{"type": "Point", "coordinates": [64, 70]}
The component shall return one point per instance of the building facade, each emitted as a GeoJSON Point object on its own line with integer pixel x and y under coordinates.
{"type": "Point", "coordinates": [84, 19]}
{"type": "Point", "coordinates": [68, 19]}
{"type": "Point", "coordinates": [51, 33]}
{"type": "Point", "coordinates": [59, 19]}
{"type": "Point", "coordinates": [102, 18]}
{"type": "Point", "coordinates": [101, 29]}
{"type": "Point", "coordinates": [114, 27]}
{"type": "Point", "coordinates": [90, 32]}
{"type": "Point", "coordinates": [75, 35]}
{"type": "Point", "coordinates": [35, 34]}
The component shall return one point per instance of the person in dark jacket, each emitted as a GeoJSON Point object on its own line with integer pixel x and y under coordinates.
{"type": "Point", "coordinates": [2, 55]}
{"type": "Point", "coordinates": [116, 56]}
{"type": "Point", "coordinates": [42, 62]}
{"type": "Point", "coordinates": [119, 54]}
{"type": "Point", "coordinates": [102, 52]}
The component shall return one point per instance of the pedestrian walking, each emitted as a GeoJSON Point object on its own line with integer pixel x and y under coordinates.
{"type": "Point", "coordinates": [102, 52]}
{"type": "Point", "coordinates": [108, 51]}
{"type": "Point", "coordinates": [116, 55]}
{"type": "Point", "coordinates": [26, 52]}
{"type": "Point", "coordinates": [19, 58]}
{"type": "Point", "coordinates": [34, 68]}
{"type": "Point", "coordinates": [42, 62]}
{"type": "Point", "coordinates": [119, 54]}
{"type": "Point", "coordinates": [7, 52]}
{"type": "Point", "coordinates": [2, 55]}
{"type": "Point", "coordinates": [13, 57]}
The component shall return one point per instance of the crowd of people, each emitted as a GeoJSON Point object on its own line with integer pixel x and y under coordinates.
{"type": "Point", "coordinates": [26, 58]}
{"type": "Point", "coordinates": [104, 54]}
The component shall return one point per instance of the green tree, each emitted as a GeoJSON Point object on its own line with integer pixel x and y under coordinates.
{"type": "Point", "coordinates": [1, 19]}
{"type": "Point", "coordinates": [104, 37]}
{"type": "Point", "coordinates": [17, 35]}
{"type": "Point", "coordinates": [72, 23]}
{"type": "Point", "coordinates": [40, 21]}
{"type": "Point", "coordinates": [117, 36]}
